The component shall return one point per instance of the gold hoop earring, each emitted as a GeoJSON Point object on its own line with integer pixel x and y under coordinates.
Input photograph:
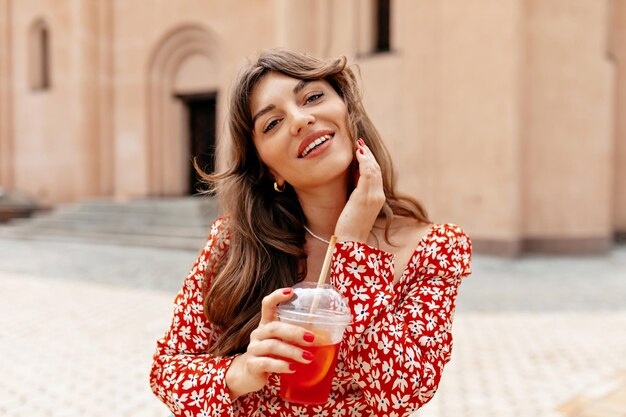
{"type": "Point", "coordinates": [279, 188]}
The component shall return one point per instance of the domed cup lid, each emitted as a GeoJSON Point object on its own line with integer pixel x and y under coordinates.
{"type": "Point", "coordinates": [315, 305]}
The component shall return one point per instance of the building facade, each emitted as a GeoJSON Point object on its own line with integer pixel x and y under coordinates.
{"type": "Point", "coordinates": [505, 116]}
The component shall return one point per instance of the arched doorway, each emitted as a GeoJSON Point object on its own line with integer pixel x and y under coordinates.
{"type": "Point", "coordinates": [182, 109]}
{"type": "Point", "coordinates": [201, 109]}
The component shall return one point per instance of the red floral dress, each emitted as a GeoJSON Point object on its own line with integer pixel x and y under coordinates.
{"type": "Point", "coordinates": [389, 362]}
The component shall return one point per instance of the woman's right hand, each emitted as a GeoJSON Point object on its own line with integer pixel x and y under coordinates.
{"type": "Point", "coordinates": [270, 350]}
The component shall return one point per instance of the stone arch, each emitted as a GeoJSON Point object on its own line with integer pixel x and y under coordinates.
{"type": "Point", "coordinates": [183, 47]}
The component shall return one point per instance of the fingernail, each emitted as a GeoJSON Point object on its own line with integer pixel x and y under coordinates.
{"type": "Point", "coordinates": [308, 356]}
{"type": "Point", "coordinates": [292, 367]}
{"type": "Point", "coordinates": [308, 337]}
{"type": "Point", "coordinates": [287, 291]}
{"type": "Point", "coordinates": [362, 151]}
{"type": "Point", "coordinates": [361, 142]}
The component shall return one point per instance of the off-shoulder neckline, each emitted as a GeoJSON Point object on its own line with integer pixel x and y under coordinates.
{"type": "Point", "coordinates": [419, 247]}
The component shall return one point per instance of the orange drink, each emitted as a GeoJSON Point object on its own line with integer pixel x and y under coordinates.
{"type": "Point", "coordinates": [325, 312]}
{"type": "Point", "coordinates": [311, 383]}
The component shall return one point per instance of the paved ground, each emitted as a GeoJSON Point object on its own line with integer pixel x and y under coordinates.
{"type": "Point", "coordinates": [541, 337]}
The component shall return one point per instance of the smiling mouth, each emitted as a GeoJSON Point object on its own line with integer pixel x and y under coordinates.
{"type": "Point", "coordinates": [317, 142]}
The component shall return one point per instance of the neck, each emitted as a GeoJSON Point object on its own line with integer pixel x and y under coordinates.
{"type": "Point", "coordinates": [322, 207]}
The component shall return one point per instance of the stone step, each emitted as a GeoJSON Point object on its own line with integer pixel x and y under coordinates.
{"type": "Point", "coordinates": [124, 226]}
{"type": "Point", "coordinates": [173, 242]}
{"type": "Point", "coordinates": [170, 223]}
{"type": "Point", "coordinates": [129, 218]}
{"type": "Point", "coordinates": [188, 205]}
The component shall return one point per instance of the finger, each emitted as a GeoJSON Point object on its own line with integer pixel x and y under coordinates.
{"type": "Point", "coordinates": [278, 348]}
{"type": "Point", "coordinates": [267, 365]}
{"type": "Point", "coordinates": [269, 303]}
{"type": "Point", "coordinates": [286, 332]}
{"type": "Point", "coordinates": [367, 154]}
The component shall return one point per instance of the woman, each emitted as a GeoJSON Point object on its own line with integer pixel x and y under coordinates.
{"type": "Point", "coordinates": [307, 163]}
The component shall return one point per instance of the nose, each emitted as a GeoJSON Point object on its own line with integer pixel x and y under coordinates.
{"type": "Point", "coordinates": [300, 119]}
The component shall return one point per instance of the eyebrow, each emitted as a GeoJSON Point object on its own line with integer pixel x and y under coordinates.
{"type": "Point", "coordinates": [298, 87]}
{"type": "Point", "coordinates": [262, 112]}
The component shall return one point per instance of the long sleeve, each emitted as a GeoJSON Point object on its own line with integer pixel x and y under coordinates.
{"type": "Point", "coordinates": [400, 338]}
{"type": "Point", "coordinates": [188, 380]}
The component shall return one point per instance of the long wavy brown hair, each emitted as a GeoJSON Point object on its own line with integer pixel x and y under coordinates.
{"type": "Point", "coordinates": [266, 228]}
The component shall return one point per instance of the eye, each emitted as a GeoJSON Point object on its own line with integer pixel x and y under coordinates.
{"type": "Point", "coordinates": [271, 125]}
{"type": "Point", "coordinates": [313, 97]}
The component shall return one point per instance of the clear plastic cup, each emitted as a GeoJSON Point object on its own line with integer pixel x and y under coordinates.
{"type": "Point", "coordinates": [325, 313]}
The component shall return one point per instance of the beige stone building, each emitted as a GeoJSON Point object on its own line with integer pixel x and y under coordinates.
{"type": "Point", "coordinates": [505, 116]}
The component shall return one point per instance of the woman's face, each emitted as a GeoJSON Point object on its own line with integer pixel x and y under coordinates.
{"type": "Point", "coordinates": [300, 130]}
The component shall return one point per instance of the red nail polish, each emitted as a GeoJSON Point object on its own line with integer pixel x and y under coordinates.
{"type": "Point", "coordinates": [292, 367]}
{"type": "Point", "coordinates": [308, 337]}
{"type": "Point", "coordinates": [287, 291]}
{"type": "Point", "coordinates": [362, 151]}
{"type": "Point", "coordinates": [361, 142]}
{"type": "Point", "coordinates": [307, 356]}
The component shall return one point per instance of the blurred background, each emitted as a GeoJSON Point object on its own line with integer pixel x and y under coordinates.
{"type": "Point", "coordinates": [507, 117]}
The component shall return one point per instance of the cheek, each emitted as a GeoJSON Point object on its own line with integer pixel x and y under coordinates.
{"type": "Point", "coordinates": [341, 113]}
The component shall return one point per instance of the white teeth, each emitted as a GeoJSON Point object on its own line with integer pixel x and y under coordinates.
{"type": "Point", "coordinates": [314, 144]}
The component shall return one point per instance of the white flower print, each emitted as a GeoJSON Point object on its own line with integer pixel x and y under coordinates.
{"type": "Point", "coordinates": [371, 333]}
{"type": "Point", "coordinates": [343, 283]}
{"type": "Point", "coordinates": [196, 396]}
{"type": "Point", "coordinates": [385, 344]}
{"type": "Point", "coordinates": [196, 309]}
{"type": "Point", "coordinates": [190, 284]}
{"type": "Point", "coordinates": [372, 284]}
{"type": "Point", "coordinates": [338, 412]}
{"type": "Point", "coordinates": [430, 251]}
{"type": "Point", "coordinates": [398, 401]}
{"type": "Point", "coordinates": [427, 340]}
{"type": "Point", "coordinates": [381, 299]}
{"type": "Point", "coordinates": [436, 294]}
{"type": "Point", "coordinates": [373, 357]}
{"type": "Point", "coordinates": [273, 406]}
{"type": "Point", "coordinates": [414, 310]}
{"type": "Point", "coordinates": [410, 362]}
{"type": "Point", "coordinates": [320, 412]}
{"type": "Point", "coordinates": [387, 370]}
{"type": "Point", "coordinates": [398, 351]}
{"type": "Point", "coordinates": [217, 410]}
{"type": "Point", "coordinates": [430, 321]}
{"type": "Point", "coordinates": [363, 365]}
{"type": "Point", "coordinates": [185, 332]}
{"type": "Point", "coordinates": [382, 402]}
{"type": "Point", "coordinates": [355, 269]}
{"type": "Point", "coordinates": [456, 268]}
{"type": "Point", "coordinates": [360, 294]}
{"type": "Point", "coordinates": [188, 316]}
{"type": "Point", "coordinates": [394, 330]}
{"type": "Point", "coordinates": [179, 401]}
{"type": "Point", "coordinates": [373, 379]}
{"type": "Point", "coordinates": [360, 310]}
{"type": "Point", "coordinates": [373, 262]}
{"type": "Point", "coordinates": [358, 253]}
{"type": "Point", "coordinates": [443, 261]}
{"type": "Point", "coordinates": [338, 262]}
{"type": "Point", "coordinates": [191, 381]}
{"type": "Point", "coordinates": [401, 381]}
{"type": "Point", "coordinates": [206, 411]}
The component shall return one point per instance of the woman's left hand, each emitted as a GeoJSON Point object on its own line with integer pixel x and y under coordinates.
{"type": "Point", "coordinates": [361, 211]}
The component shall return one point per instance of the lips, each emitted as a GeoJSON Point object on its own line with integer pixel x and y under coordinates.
{"type": "Point", "coordinates": [312, 141]}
